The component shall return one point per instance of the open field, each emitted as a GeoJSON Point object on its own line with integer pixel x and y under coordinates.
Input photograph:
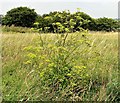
{"type": "Point", "coordinates": [81, 66]}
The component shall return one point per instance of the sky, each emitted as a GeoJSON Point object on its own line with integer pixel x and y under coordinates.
{"type": "Point", "coordinates": [95, 8]}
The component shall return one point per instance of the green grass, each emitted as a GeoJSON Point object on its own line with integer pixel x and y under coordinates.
{"type": "Point", "coordinates": [34, 67]}
{"type": "Point", "coordinates": [14, 29]}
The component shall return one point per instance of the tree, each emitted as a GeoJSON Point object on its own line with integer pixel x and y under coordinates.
{"type": "Point", "coordinates": [61, 22]}
{"type": "Point", "coordinates": [1, 16]}
{"type": "Point", "coordinates": [106, 24]}
{"type": "Point", "coordinates": [20, 16]}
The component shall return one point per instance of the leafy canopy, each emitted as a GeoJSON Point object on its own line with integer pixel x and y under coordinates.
{"type": "Point", "coordinates": [20, 16]}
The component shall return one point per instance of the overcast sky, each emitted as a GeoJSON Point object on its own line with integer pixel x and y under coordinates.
{"type": "Point", "coordinates": [95, 8]}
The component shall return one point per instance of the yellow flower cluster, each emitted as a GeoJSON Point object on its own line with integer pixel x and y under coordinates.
{"type": "Point", "coordinates": [31, 55]}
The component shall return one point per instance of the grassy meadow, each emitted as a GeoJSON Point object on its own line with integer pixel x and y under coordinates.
{"type": "Point", "coordinates": [76, 67]}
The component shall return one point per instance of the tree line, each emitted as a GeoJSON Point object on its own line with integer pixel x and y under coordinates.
{"type": "Point", "coordinates": [58, 22]}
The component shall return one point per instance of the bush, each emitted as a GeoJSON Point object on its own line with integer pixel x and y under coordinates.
{"type": "Point", "coordinates": [106, 24]}
{"type": "Point", "coordinates": [61, 22]}
{"type": "Point", "coordinates": [20, 16]}
{"type": "Point", "coordinates": [64, 21]}
{"type": "Point", "coordinates": [58, 22]}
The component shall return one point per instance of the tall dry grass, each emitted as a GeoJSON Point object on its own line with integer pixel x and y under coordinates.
{"type": "Point", "coordinates": [22, 82]}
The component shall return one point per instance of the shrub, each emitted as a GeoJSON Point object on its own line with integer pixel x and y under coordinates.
{"type": "Point", "coordinates": [106, 24]}
{"type": "Point", "coordinates": [20, 16]}
{"type": "Point", "coordinates": [57, 22]}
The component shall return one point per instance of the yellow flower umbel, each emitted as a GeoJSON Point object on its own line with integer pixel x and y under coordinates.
{"type": "Point", "coordinates": [31, 55]}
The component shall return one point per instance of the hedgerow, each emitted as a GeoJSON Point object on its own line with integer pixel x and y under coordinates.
{"type": "Point", "coordinates": [58, 22]}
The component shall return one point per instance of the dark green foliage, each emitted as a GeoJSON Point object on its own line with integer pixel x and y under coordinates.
{"type": "Point", "coordinates": [58, 22]}
{"type": "Point", "coordinates": [61, 22]}
{"type": "Point", "coordinates": [1, 19]}
{"type": "Point", "coordinates": [20, 16]}
{"type": "Point", "coordinates": [64, 21]}
{"type": "Point", "coordinates": [106, 24]}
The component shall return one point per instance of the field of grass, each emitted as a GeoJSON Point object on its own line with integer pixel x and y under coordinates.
{"type": "Point", "coordinates": [77, 67]}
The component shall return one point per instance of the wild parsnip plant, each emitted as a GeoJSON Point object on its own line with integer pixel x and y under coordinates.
{"type": "Point", "coordinates": [81, 66]}
{"type": "Point", "coordinates": [68, 64]}
{"type": "Point", "coordinates": [74, 65]}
